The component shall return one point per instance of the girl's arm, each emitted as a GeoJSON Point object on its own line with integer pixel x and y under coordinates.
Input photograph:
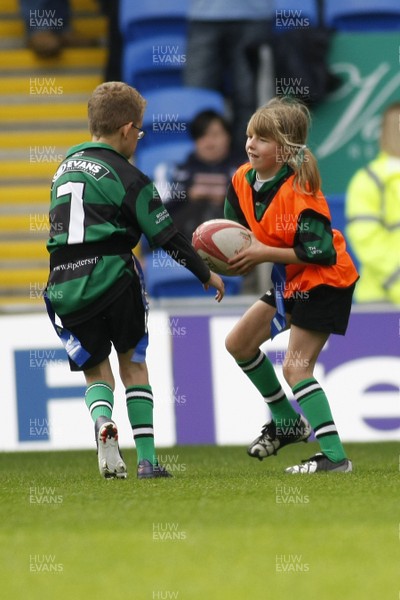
{"type": "Point", "coordinates": [313, 243]}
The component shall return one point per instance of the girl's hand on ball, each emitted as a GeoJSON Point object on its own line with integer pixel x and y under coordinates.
{"type": "Point", "coordinates": [250, 257]}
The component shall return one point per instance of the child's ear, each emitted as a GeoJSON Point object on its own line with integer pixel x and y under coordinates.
{"type": "Point", "coordinates": [126, 129]}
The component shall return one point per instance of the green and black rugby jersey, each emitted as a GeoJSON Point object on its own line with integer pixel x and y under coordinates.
{"type": "Point", "coordinates": [100, 206]}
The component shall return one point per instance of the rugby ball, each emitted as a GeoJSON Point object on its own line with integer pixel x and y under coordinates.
{"type": "Point", "coordinates": [218, 240]}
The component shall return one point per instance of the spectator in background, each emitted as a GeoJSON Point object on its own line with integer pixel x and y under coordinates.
{"type": "Point", "coordinates": [113, 68]}
{"type": "Point", "coordinates": [200, 183]}
{"type": "Point", "coordinates": [222, 36]}
{"type": "Point", "coordinates": [373, 217]}
{"type": "Point", "coordinates": [48, 27]}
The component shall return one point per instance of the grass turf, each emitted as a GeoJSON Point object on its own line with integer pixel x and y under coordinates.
{"type": "Point", "coordinates": [225, 527]}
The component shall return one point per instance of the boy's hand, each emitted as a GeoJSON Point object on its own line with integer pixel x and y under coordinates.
{"type": "Point", "coordinates": [216, 282]}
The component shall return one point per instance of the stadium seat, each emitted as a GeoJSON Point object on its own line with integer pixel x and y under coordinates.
{"type": "Point", "coordinates": [166, 279]}
{"type": "Point", "coordinates": [154, 62]}
{"type": "Point", "coordinates": [164, 156]}
{"type": "Point", "coordinates": [152, 17]}
{"type": "Point", "coordinates": [363, 15]}
{"type": "Point", "coordinates": [337, 207]}
{"type": "Point", "coordinates": [170, 111]}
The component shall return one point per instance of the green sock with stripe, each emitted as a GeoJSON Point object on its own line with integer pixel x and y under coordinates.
{"type": "Point", "coordinates": [99, 399]}
{"type": "Point", "coordinates": [314, 403]}
{"type": "Point", "coordinates": [139, 402]}
{"type": "Point", "coordinates": [262, 374]}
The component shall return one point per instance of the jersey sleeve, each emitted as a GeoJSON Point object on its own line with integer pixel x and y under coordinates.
{"type": "Point", "coordinates": [232, 210]}
{"type": "Point", "coordinates": [145, 206]}
{"type": "Point", "coordinates": [181, 250]}
{"type": "Point", "coordinates": [313, 242]}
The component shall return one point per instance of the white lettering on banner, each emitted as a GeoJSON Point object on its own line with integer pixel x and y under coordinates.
{"type": "Point", "coordinates": [346, 385]}
{"type": "Point", "coordinates": [21, 333]}
{"type": "Point", "coordinates": [365, 106]}
{"type": "Point", "coordinates": [363, 390]}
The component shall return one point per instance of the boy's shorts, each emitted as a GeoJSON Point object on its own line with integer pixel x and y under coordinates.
{"type": "Point", "coordinates": [323, 308]}
{"type": "Point", "coordinates": [121, 324]}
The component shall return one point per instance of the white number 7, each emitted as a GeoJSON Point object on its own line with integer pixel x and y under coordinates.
{"type": "Point", "coordinates": [76, 227]}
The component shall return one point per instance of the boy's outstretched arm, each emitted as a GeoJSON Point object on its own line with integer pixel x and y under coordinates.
{"type": "Point", "coordinates": [182, 251]}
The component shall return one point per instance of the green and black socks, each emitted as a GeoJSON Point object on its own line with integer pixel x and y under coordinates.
{"type": "Point", "coordinates": [99, 399]}
{"type": "Point", "coordinates": [139, 402]}
{"type": "Point", "coordinates": [261, 373]}
{"type": "Point", "coordinates": [308, 394]}
{"type": "Point", "coordinates": [313, 401]}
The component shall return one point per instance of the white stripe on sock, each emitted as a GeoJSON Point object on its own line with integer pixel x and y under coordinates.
{"type": "Point", "coordinates": [310, 388]}
{"type": "Point", "coordinates": [100, 403]}
{"type": "Point", "coordinates": [139, 394]}
{"type": "Point", "coordinates": [326, 429]}
{"type": "Point", "coordinates": [255, 363]}
{"type": "Point", "coordinates": [142, 430]}
{"type": "Point", "coordinates": [275, 397]}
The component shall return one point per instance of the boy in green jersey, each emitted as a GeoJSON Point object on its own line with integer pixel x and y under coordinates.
{"type": "Point", "coordinates": [100, 206]}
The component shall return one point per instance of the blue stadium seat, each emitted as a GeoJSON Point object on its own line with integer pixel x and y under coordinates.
{"type": "Point", "coordinates": [170, 111]}
{"type": "Point", "coordinates": [165, 155]}
{"type": "Point", "coordinates": [337, 207]}
{"type": "Point", "coordinates": [166, 279]}
{"type": "Point", "coordinates": [154, 62]}
{"type": "Point", "coordinates": [363, 15]}
{"type": "Point", "coordinates": [152, 17]}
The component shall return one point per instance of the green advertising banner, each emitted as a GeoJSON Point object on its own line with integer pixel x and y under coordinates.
{"type": "Point", "coordinates": [345, 130]}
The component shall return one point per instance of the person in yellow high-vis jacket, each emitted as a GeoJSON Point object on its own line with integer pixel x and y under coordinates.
{"type": "Point", "coordinates": [373, 217]}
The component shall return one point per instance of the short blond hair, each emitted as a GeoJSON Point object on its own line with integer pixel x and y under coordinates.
{"type": "Point", "coordinates": [113, 104]}
{"type": "Point", "coordinates": [286, 121]}
{"type": "Point", "coordinates": [390, 132]}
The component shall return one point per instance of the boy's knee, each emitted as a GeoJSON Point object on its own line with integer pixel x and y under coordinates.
{"type": "Point", "coordinates": [131, 368]}
{"type": "Point", "coordinates": [133, 373]}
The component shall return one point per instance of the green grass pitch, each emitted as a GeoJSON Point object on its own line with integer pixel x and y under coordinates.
{"type": "Point", "coordinates": [225, 527]}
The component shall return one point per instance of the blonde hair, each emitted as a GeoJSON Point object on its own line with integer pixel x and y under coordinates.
{"type": "Point", "coordinates": [113, 104]}
{"type": "Point", "coordinates": [390, 133]}
{"type": "Point", "coordinates": [286, 121]}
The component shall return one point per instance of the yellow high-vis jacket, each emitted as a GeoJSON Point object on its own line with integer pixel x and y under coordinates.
{"type": "Point", "coordinates": [373, 228]}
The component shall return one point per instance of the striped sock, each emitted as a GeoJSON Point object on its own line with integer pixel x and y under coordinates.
{"type": "Point", "coordinates": [139, 402]}
{"type": "Point", "coordinates": [261, 373]}
{"type": "Point", "coordinates": [99, 399]}
{"type": "Point", "coordinates": [313, 401]}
